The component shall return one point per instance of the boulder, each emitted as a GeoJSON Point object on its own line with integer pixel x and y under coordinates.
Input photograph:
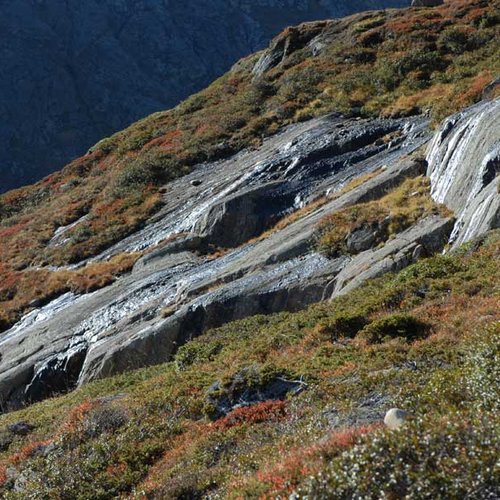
{"type": "Point", "coordinates": [395, 418]}
{"type": "Point", "coordinates": [491, 89]}
{"type": "Point", "coordinates": [291, 40]}
{"type": "Point", "coordinates": [361, 239]}
{"type": "Point", "coordinates": [20, 428]}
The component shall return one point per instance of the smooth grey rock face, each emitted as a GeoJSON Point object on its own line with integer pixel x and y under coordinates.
{"type": "Point", "coordinates": [75, 339]}
{"type": "Point", "coordinates": [464, 169]}
{"type": "Point", "coordinates": [73, 72]}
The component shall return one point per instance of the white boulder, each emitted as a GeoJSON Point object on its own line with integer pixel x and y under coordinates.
{"type": "Point", "coordinates": [395, 418]}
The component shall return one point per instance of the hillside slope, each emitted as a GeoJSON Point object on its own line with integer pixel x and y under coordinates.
{"type": "Point", "coordinates": [74, 72]}
{"type": "Point", "coordinates": [297, 251]}
{"type": "Point", "coordinates": [312, 213]}
{"type": "Point", "coordinates": [275, 404]}
{"type": "Point", "coordinates": [445, 57]}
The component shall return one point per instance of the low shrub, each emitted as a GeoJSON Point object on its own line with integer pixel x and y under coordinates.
{"type": "Point", "coordinates": [454, 40]}
{"type": "Point", "coordinates": [266, 411]}
{"type": "Point", "coordinates": [192, 353]}
{"type": "Point", "coordinates": [342, 325]}
{"type": "Point", "coordinates": [104, 418]}
{"type": "Point", "coordinates": [394, 326]}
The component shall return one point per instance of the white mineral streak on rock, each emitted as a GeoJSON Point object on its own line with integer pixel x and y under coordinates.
{"type": "Point", "coordinates": [464, 163]}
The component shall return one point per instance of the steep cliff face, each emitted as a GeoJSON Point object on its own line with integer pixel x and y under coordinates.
{"type": "Point", "coordinates": [464, 164]}
{"type": "Point", "coordinates": [74, 72]}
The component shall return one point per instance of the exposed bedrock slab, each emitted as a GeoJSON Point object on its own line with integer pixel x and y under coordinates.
{"type": "Point", "coordinates": [242, 216]}
{"type": "Point", "coordinates": [464, 168]}
{"type": "Point", "coordinates": [179, 291]}
{"type": "Point", "coordinates": [424, 238]}
{"type": "Point", "coordinates": [75, 339]}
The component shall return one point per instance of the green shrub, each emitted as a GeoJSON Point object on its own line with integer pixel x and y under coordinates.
{"type": "Point", "coordinates": [343, 325]}
{"type": "Point", "coordinates": [426, 61]}
{"type": "Point", "coordinates": [482, 371]}
{"type": "Point", "coordinates": [103, 419]}
{"type": "Point", "coordinates": [394, 326]}
{"type": "Point", "coordinates": [147, 168]}
{"type": "Point", "coordinates": [453, 40]}
{"type": "Point", "coordinates": [367, 24]}
{"type": "Point", "coordinates": [196, 352]}
{"type": "Point", "coordinates": [82, 232]}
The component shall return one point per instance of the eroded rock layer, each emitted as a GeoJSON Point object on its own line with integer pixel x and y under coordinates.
{"type": "Point", "coordinates": [225, 259]}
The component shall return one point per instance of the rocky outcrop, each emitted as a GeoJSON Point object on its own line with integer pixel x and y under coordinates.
{"type": "Point", "coordinates": [248, 387]}
{"type": "Point", "coordinates": [74, 72]}
{"type": "Point", "coordinates": [291, 40]}
{"type": "Point", "coordinates": [181, 289]}
{"type": "Point", "coordinates": [464, 168]}
{"type": "Point", "coordinates": [426, 3]}
{"type": "Point", "coordinates": [425, 238]}
{"type": "Point", "coordinates": [76, 339]}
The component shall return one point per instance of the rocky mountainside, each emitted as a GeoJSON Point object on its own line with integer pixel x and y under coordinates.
{"type": "Point", "coordinates": [74, 72]}
{"type": "Point", "coordinates": [187, 286]}
{"type": "Point", "coordinates": [226, 297]}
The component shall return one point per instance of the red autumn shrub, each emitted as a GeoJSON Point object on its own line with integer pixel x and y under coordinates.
{"type": "Point", "coordinates": [27, 451]}
{"type": "Point", "coordinates": [76, 417]}
{"type": "Point", "coordinates": [285, 475]}
{"type": "Point", "coordinates": [267, 411]}
{"type": "Point", "coordinates": [3, 475]}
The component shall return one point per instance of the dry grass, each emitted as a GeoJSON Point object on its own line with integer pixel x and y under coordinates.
{"type": "Point", "coordinates": [35, 287]}
{"type": "Point", "coordinates": [391, 214]}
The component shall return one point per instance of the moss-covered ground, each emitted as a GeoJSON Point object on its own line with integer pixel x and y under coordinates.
{"type": "Point", "coordinates": [426, 340]}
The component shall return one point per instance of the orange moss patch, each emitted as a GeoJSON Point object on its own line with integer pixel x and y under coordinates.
{"type": "Point", "coordinates": [266, 411]}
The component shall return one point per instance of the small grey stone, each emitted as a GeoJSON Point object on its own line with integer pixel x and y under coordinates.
{"type": "Point", "coordinates": [20, 428]}
{"type": "Point", "coordinates": [395, 418]}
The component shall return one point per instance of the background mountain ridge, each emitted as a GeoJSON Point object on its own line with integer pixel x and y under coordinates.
{"type": "Point", "coordinates": [74, 72]}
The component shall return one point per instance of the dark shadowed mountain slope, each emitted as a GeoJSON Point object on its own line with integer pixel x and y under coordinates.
{"type": "Point", "coordinates": [73, 72]}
